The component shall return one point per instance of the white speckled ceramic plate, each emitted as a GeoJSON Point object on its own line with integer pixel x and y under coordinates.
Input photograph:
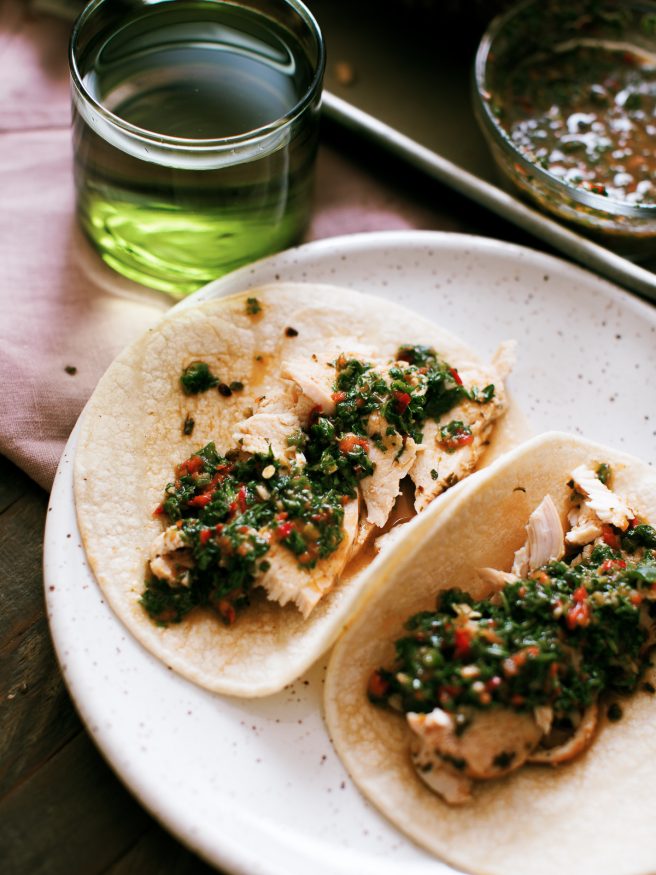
{"type": "Point", "coordinates": [254, 786]}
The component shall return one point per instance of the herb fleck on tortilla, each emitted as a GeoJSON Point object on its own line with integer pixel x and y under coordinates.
{"type": "Point", "coordinates": [253, 306]}
{"type": "Point", "coordinates": [197, 377]}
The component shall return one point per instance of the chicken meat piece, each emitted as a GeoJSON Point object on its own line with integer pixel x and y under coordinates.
{"type": "Point", "coordinates": [285, 581]}
{"type": "Point", "coordinates": [437, 468]}
{"type": "Point", "coordinates": [170, 558]}
{"type": "Point", "coordinates": [313, 380]}
{"type": "Point", "coordinates": [492, 743]}
{"type": "Point", "coordinates": [545, 539]}
{"type": "Point", "coordinates": [380, 489]}
{"type": "Point", "coordinates": [262, 432]}
{"type": "Point", "coordinates": [575, 744]}
{"type": "Point", "coordinates": [585, 526]}
{"type": "Point", "coordinates": [494, 579]}
{"type": "Point", "coordinates": [439, 775]}
{"type": "Point", "coordinates": [600, 500]}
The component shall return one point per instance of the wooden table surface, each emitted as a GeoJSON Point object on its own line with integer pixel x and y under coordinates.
{"type": "Point", "coordinates": [62, 810]}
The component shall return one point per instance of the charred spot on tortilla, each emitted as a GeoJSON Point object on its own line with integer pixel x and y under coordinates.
{"type": "Point", "coordinates": [188, 425]}
{"type": "Point", "coordinates": [294, 485]}
{"type": "Point", "coordinates": [572, 622]}
{"type": "Point", "coordinates": [291, 332]}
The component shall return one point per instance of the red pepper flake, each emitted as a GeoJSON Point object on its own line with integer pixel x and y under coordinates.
{"type": "Point", "coordinates": [611, 565]}
{"type": "Point", "coordinates": [462, 640]}
{"type": "Point", "coordinates": [456, 376]}
{"type": "Point", "coordinates": [578, 615]}
{"type": "Point", "coordinates": [284, 530]}
{"type": "Point", "coordinates": [580, 594]}
{"type": "Point", "coordinates": [218, 528]}
{"type": "Point", "coordinates": [205, 535]}
{"type": "Point", "coordinates": [200, 500]}
{"type": "Point", "coordinates": [610, 537]}
{"type": "Point", "coordinates": [159, 510]}
{"type": "Point", "coordinates": [402, 401]}
{"type": "Point", "coordinates": [227, 612]}
{"type": "Point", "coordinates": [377, 687]}
{"type": "Point", "coordinates": [338, 397]}
{"type": "Point", "coordinates": [191, 466]}
{"type": "Point", "coordinates": [241, 499]}
{"type": "Point", "coordinates": [455, 435]}
{"type": "Point", "coordinates": [347, 444]}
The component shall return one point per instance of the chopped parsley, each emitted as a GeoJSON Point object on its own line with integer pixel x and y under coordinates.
{"type": "Point", "coordinates": [253, 306]}
{"type": "Point", "coordinates": [196, 378]}
{"type": "Point", "coordinates": [231, 509]}
{"type": "Point", "coordinates": [559, 638]}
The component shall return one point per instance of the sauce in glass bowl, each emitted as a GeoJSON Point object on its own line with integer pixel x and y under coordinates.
{"type": "Point", "coordinates": [565, 93]}
{"type": "Point", "coordinates": [587, 114]}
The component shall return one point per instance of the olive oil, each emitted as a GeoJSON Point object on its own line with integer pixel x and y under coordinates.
{"type": "Point", "coordinates": [195, 159]}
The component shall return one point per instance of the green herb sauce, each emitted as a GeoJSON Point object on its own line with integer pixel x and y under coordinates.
{"type": "Point", "coordinates": [231, 509]}
{"type": "Point", "coordinates": [559, 638]}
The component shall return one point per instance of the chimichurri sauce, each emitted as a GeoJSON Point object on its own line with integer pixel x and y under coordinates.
{"type": "Point", "coordinates": [559, 638]}
{"type": "Point", "coordinates": [231, 509]}
{"type": "Point", "coordinates": [586, 114]}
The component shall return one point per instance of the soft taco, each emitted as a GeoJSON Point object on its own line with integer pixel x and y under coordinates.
{"type": "Point", "coordinates": [495, 698]}
{"type": "Point", "coordinates": [237, 464]}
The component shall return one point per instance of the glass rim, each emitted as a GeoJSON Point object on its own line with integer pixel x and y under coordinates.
{"type": "Point", "coordinates": [186, 143]}
{"type": "Point", "coordinates": [499, 135]}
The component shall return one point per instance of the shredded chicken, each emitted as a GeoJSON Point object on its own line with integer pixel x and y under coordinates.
{"type": "Point", "coordinates": [269, 431]}
{"type": "Point", "coordinates": [314, 381]}
{"type": "Point", "coordinates": [492, 743]}
{"type": "Point", "coordinates": [495, 579]}
{"type": "Point", "coordinates": [435, 468]}
{"type": "Point", "coordinates": [285, 581]}
{"type": "Point", "coordinates": [170, 558]}
{"type": "Point", "coordinates": [573, 745]}
{"type": "Point", "coordinates": [380, 489]}
{"type": "Point", "coordinates": [545, 539]}
{"type": "Point", "coordinates": [585, 526]}
{"type": "Point", "coordinates": [599, 499]}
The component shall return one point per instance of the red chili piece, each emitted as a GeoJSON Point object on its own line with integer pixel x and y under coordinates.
{"type": "Point", "coordinates": [402, 401]}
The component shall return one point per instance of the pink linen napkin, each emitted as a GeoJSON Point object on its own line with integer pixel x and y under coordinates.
{"type": "Point", "coordinates": [64, 314]}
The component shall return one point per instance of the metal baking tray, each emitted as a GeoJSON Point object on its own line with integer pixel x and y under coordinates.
{"type": "Point", "coordinates": [407, 89]}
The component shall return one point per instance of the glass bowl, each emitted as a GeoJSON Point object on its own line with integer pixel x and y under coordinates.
{"type": "Point", "coordinates": [543, 41]}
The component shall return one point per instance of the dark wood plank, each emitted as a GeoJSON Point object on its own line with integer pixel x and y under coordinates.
{"type": "Point", "coordinates": [13, 483]}
{"type": "Point", "coordinates": [157, 851]}
{"type": "Point", "coordinates": [62, 810]}
{"type": "Point", "coordinates": [21, 536]}
{"type": "Point", "coordinates": [72, 816]}
{"type": "Point", "coordinates": [36, 714]}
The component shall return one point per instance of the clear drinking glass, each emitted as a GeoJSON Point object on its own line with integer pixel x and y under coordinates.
{"type": "Point", "coordinates": [195, 126]}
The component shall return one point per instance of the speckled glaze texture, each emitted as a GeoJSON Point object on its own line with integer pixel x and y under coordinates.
{"type": "Point", "coordinates": [254, 786]}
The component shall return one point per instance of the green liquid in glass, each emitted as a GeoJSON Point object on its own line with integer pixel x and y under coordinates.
{"type": "Point", "coordinates": [174, 218]}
